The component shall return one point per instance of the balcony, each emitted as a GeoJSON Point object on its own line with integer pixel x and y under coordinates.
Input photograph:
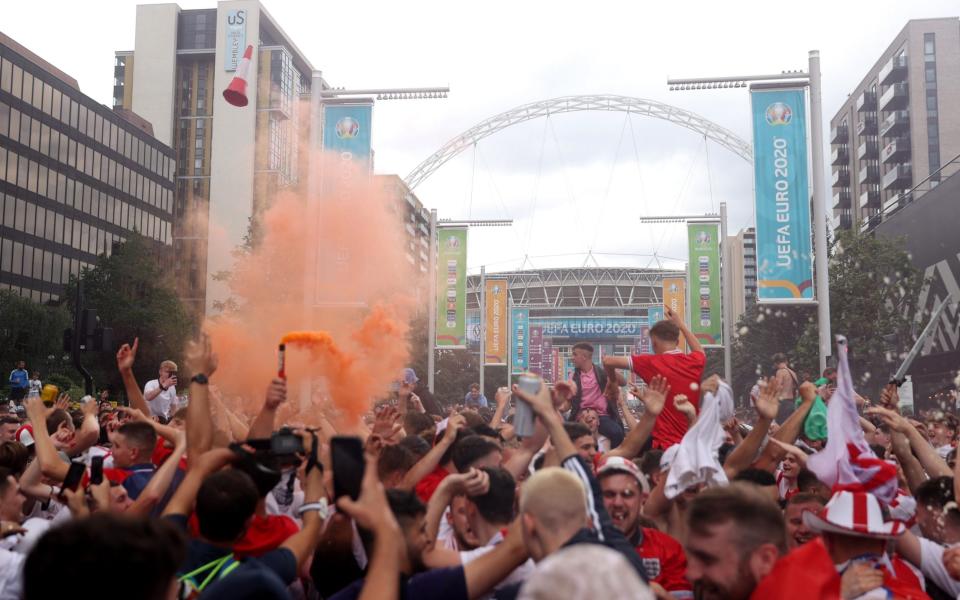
{"type": "Point", "coordinates": [843, 220]}
{"type": "Point", "coordinates": [868, 150]}
{"type": "Point", "coordinates": [894, 71]}
{"type": "Point", "coordinates": [900, 177]}
{"type": "Point", "coordinates": [867, 126]}
{"type": "Point", "coordinates": [895, 98]}
{"type": "Point", "coordinates": [869, 174]}
{"type": "Point", "coordinates": [839, 135]}
{"type": "Point", "coordinates": [867, 102]}
{"type": "Point", "coordinates": [840, 155]}
{"type": "Point", "coordinates": [841, 177]}
{"type": "Point", "coordinates": [897, 151]}
{"type": "Point", "coordinates": [897, 122]}
{"type": "Point", "coordinates": [870, 199]}
{"type": "Point", "coordinates": [841, 199]}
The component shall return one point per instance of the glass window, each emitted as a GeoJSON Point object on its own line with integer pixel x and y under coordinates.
{"type": "Point", "coordinates": [74, 113]}
{"type": "Point", "coordinates": [84, 237]}
{"type": "Point", "coordinates": [13, 160]}
{"type": "Point", "coordinates": [6, 75]}
{"type": "Point", "coordinates": [61, 188]}
{"type": "Point", "coordinates": [4, 118]}
{"type": "Point", "coordinates": [69, 192]}
{"type": "Point", "coordinates": [14, 124]}
{"type": "Point", "coordinates": [25, 129]}
{"type": "Point", "coordinates": [17, 266]}
{"type": "Point", "coordinates": [35, 135]}
{"type": "Point", "coordinates": [72, 153]}
{"type": "Point", "coordinates": [3, 164]}
{"type": "Point", "coordinates": [38, 92]}
{"type": "Point", "coordinates": [928, 43]}
{"type": "Point", "coordinates": [52, 184]}
{"type": "Point", "coordinates": [47, 98]}
{"type": "Point", "coordinates": [45, 139]}
{"type": "Point", "coordinates": [57, 273]}
{"type": "Point", "coordinates": [55, 109]}
{"type": "Point", "coordinates": [27, 261]}
{"type": "Point", "coordinates": [17, 81]}
{"type": "Point", "coordinates": [32, 174]}
{"type": "Point", "coordinates": [931, 74]}
{"type": "Point", "coordinates": [23, 170]}
{"type": "Point", "coordinates": [37, 263]}
{"type": "Point", "coordinates": [27, 95]}
{"type": "Point", "coordinates": [931, 103]}
{"type": "Point", "coordinates": [58, 228]}
{"type": "Point", "coordinates": [42, 180]}
{"type": "Point", "coordinates": [68, 231]}
{"type": "Point", "coordinates": [9, 211]}
{"type": "Point", "coordinates": [6, 253]}
{"type": "Point", "coordinates": [30, 219]}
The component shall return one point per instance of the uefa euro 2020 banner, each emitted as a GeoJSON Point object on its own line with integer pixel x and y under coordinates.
{"type": "Point", "coordinates": [346, 130]}
{"type": "Point", "coordinates": [496, 346]}
{"type": "Point", "coordinates": [784, 258]}
{"type": "Point", "coordinates": [452, 287]}
{"type": "Point", "coordinates": [703, 275]}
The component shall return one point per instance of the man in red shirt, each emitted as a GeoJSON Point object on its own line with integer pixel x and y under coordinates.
{"type": "Point", "coordinates": [682, 371]}
{"type": "Point", "coordinates": [624, 492]}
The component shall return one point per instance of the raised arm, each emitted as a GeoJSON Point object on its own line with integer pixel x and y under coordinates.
{"type": "Point", "coordinates": [617, 362]}
{"type": "Point", "coordinates": [203, 465]}
{"type": "Point", "coordinates": [483, 573]}
{"type": "Point", "coordinates": [502, 398]}
{"type": "Point", "coordinates": [126, 357]}
{"type": "Point", "coordinates": [89, 431]}
{"type": "Point", "coordinates": [654, 397]}
{"type": "Point", "coordinates": [50, 463]}
{"type": "Point", "coordinates": [692, 342]}
{"type": "Point", "coordinates": [473, 483]}
{"type": "Point", "coordinates": [304, 542]}
{"type": "Point", "coordinates": [431, 459]}
{"type": "Point", "coordinates": [158, 485]}
{"type": "Point", "coordinates": [266, 422]}
{"type": "Point", "coordinates": [201, 360]}
{"type": "Point", "coordinates": [925, 453]}
{"type": "Point", "coordinates": [746, 452]}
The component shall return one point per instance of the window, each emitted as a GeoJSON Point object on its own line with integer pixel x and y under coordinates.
{"type": "Point", "coordinates": [929, 44]}
{"type": "Point", "coordinates": [6, 75]}
{"type": "Point", "coordinates": [17, 81]}
{"type": "Point", "coordinates": [27, 95]}
{"type": "Point", "coordinates": [4, 118]}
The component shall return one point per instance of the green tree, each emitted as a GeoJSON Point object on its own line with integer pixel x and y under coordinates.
{"type": "Point", "coordinates": [763, 331]}
{"type": "Point", "coordinates": [873, 296]}
{"type": "Point", "coordinates": [137, 299]}
{"type": "Point", "coordinates": [455, 369]}
{"type": "Point", "coordinates": [32, 333]}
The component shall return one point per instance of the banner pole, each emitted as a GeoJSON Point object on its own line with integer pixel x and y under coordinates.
{"type": "Point", "coordinates": [483, 324]}
{"type": "Point", "coordinates": [726, 280]}
{"type": "Point", "coordinates": [819, 208]}
{"type": "Point", "coordinates": [434, 307]}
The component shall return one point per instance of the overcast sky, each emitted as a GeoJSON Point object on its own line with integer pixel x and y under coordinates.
{"type": "Point", "coordinates": [572, 182]}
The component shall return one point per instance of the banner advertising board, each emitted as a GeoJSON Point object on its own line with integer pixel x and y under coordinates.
{"type": "Point", "coordinates": [452, 287]}
{"type": "Point", "coordinates": [520, 339]}
{"type": "Point", "coordinates": [495, 346]}
{"type": "Point", "coordinates": [703, 273]}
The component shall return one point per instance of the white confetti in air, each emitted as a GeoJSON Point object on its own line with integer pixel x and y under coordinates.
{"type": "Point", "coordinates": [760, 318]}
{"type": "Point", "coordinates": [744, 330]}
{"type": "Point", "coordinates": [886, 280]}
{"type": "Point", "coordinates": [694, 386]}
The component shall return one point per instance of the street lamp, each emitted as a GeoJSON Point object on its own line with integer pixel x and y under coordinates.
{"type": "Point", "coordinates": [810, 78]}
{"type": "Point", "coordinates": [436, 224]}
{"type": "Point", "coordinates": [726, 281]}
{"type": "Point", "coordinates": [390, 93]}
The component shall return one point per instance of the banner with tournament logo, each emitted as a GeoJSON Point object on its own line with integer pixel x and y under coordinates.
{"type": "Point", "coordinates": [346, 130]}
{"type": "Point", "coordinates": [452, 287]}
{"type": "Point", "coordinates": [495, 330]}
{"type": "Point", "coordinates": [703, 273]}
{"type": "Point", "coordinates": [784, 255]}
{"type": "Point", "coordinates": [519, 339]}
{"type": "Point", "coordinates": [675, 296]}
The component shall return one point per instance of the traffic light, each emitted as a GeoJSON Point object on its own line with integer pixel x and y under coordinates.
{"type": "Point", "coordinates": [92, 336]}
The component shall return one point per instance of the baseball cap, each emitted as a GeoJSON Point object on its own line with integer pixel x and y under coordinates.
{"type": "Point", "coordinates": [410, 376]}
{"type": "Point", "coordinates": [618, 464]}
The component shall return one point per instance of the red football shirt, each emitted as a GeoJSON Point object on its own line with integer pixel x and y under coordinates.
{"type": "Point", "coordinates": [683, 372]}
{"type": "Point", "coordinates": [428, 485]}
{"type": "Point", "coordinates": [665, 562]}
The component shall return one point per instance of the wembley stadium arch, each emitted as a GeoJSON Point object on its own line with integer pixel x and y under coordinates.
{"type": "Point", "coordinates": [608, 307]}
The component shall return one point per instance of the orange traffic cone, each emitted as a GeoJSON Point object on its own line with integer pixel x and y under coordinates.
{"type": "Point", "coordinates": [236, 92]}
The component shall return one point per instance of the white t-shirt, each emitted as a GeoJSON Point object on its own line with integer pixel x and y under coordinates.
{"type": "Point", "coordinates": [36, 386]}
{"type": "Point", "coordinates": [518, 575]}
{"type": "Point", "coordinates": [931, 563]}
{"type": "Point", "coordinates": [11, 574]}
{"type": "Point", "coordinates": [160, 406]}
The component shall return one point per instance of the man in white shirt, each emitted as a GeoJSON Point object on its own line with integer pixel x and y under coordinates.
{"type": "Point", "coordinates": [161, 393]}
{"type": "Point", "coordinates": [940, 527]}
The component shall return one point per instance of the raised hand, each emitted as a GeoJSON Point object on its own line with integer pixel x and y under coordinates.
{"type": "Point", "coordinates": [455, 423]}
{"type": "Point", "coordinates": [891, 418]}
{"type": "Point", "coordinates": [134, 414]}
{"type": "Point", "coordinates": [502, 396]}
{"type": "Point", "coordinates": [711, 384]}
{"type": "Point", "coordinates": [387, 425]}
{"type": "Point", "coordinates": [276, 394]}
{"type": "Point", "coordinates": [127, 355]}
{"type": "Point", "coordinates": [654, 396]}
{"type": "Point", "coordinates": [890, 397]}
{"type": "Point", "coordinates": [63, 402]}
{"type": "Point", "coordinates": [672, 316]}
{"type": "Point", "coordinates": [768, 403]}
{"type": "Point", "coordinates": [951, 562]}
{"type": "Point", "coordinates": [200, 357]}
{"type": "Point", "coordinates": [474, 482]}
{"type": "Point", "coordinates": [860, 578]}
{"type": "Point", "coordinates": [683, 404]}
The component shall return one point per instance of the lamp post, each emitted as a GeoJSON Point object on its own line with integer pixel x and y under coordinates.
{"type": "Point", "coordinates": [435, 226]}
{"type": "Point", "coordinates": [726, 281]}
{"type": "Point", "coordinates": [812, 79]}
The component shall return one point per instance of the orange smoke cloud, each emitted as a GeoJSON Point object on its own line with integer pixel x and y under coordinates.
{"type": "Point", "coordinates": [328, 275]}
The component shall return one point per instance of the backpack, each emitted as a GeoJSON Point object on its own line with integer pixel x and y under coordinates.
{"type": "Point", "coordinates": [218, 569]}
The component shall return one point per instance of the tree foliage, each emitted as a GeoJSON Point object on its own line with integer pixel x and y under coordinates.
{"type": "Point", "coordinates": [32, 333]}
{"type": "Point", "coordinates": [137, 299]}
{"type": "Point", "coordinates": [873, 291]}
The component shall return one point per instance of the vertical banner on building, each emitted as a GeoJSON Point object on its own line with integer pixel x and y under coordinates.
{"type": "Point", "coordinates": [643, 342]}
{"type": "Point", "coordinates": [473, 331]}
{"type": "Point", "coordinates": [703, 273]}
{"type": "Point", "coordinates": [451, 287]}
{"type": "Point", "coordinates": [495, 347]}
{"type": "Point", "coordinates": [546, 361]}
{"type": "Point", "coordinates": [675, 296]}
{"type": "Point", "coordinates": [784, 257]}
{"type": "Point", "coordinates": [520, 338]}
{"type": "Point", "coordinates": [346, 131]}
{"type": "Point", "coordinates": [535, 364]}
{"type": "Point", "coordinates": [235, 40]}
{"type": "Point", "coordinates": [654, 314]}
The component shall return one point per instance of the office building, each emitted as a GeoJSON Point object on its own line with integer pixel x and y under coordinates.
{"type": "Point", "coordinates": [415, 218]}
{"type": "Point", "coordinates": [230, 161]}
{"type": "Point", "coordinates": [898, 127]}
{"type": "Point", "coordinates": [75, 177]}
{"type": "Point", "coordinates": [740, 256]}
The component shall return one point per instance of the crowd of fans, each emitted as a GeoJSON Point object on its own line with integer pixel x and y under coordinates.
{"type": "Point", "coordinates": [661, 490]}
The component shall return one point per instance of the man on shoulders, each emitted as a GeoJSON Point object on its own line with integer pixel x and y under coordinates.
{"type": "Point", "coordinates": [590, 382]}
{"type": "Point", "coordinates": [474, 398]}
{"type": "Point", "coordinates": [161, 393]}
{"type": "Point", "coordinates": [683, 371]}
{"type": "Point", "coordinates": [789, 386]}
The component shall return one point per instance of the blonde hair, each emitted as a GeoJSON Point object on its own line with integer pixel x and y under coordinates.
{"type": "Point", "coordinates": [169, 364]}
{"type": "Point", "coordinates": [556, 498]}
{"type": "Point", "coordinates": [561, 575]}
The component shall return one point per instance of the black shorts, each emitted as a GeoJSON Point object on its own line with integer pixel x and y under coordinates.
{"type": "Point", "coordinates": [17, 394]}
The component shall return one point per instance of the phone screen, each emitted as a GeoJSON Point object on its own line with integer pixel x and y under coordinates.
{"type": "Point", "coordinates": [346, 454]}
{"type": "Point", "coordinates": [74, 475]}
{"type": "Point", "coordinates": [96, 470]}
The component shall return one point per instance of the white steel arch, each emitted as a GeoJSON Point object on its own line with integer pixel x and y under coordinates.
{"type": "Point", "coordinates": [599, 102]}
